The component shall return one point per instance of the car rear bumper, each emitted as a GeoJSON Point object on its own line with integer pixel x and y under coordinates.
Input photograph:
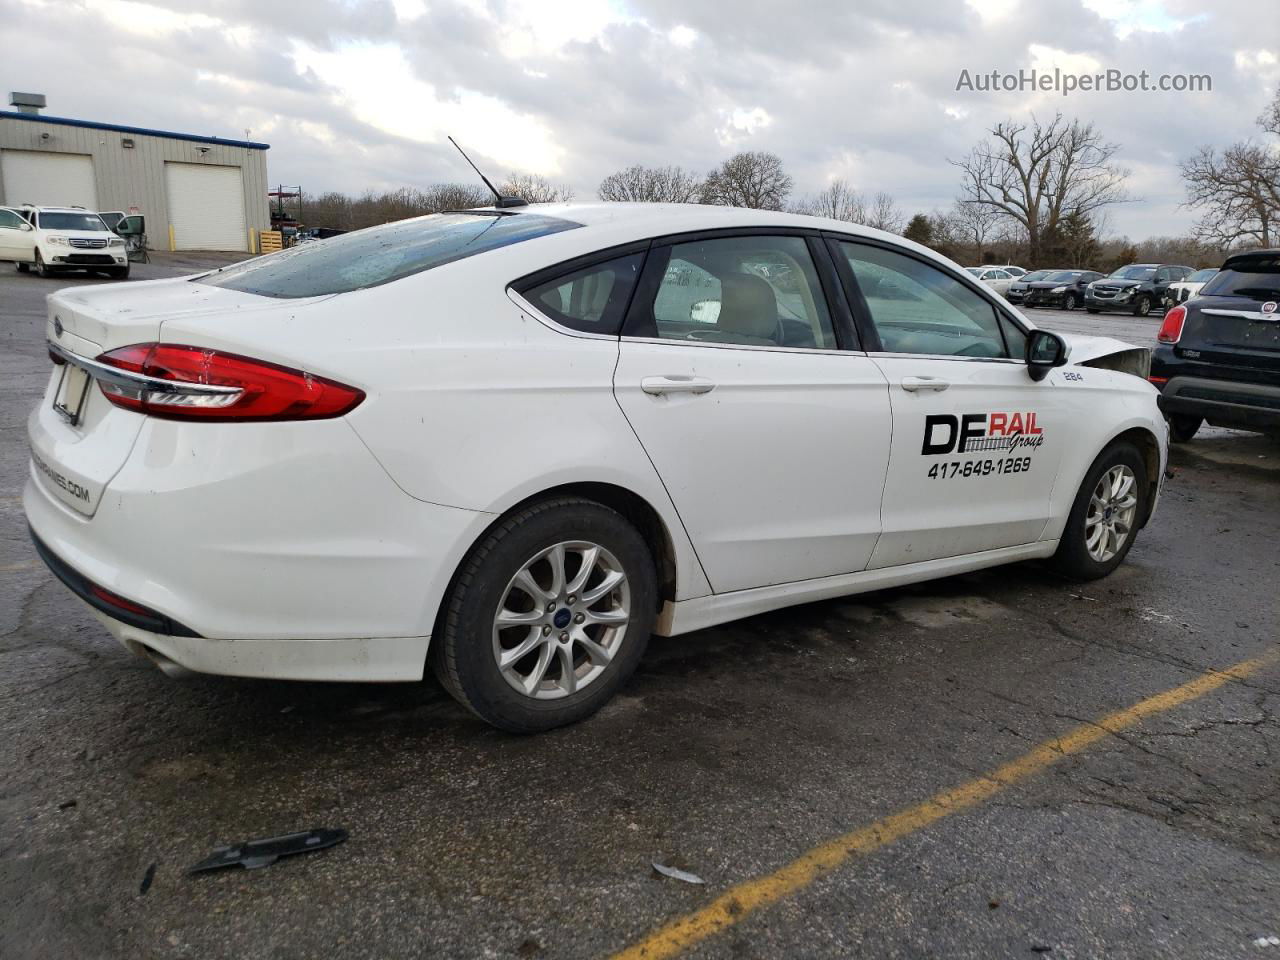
{"type": "Point", "coordinates": [1223, 402]}
{"type": "Point", "coordinates": [289, 553]}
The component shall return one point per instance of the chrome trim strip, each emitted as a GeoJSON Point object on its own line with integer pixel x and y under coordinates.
{"type": "Point", "coordinates": [1243, 314]}
{"type": "Point", "coordinates": [138, 381]}
{"type": "Point", "coordinates": [546, 321]}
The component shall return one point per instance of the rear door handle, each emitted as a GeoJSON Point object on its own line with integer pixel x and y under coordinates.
{"type": "Point", "coordinates": [924, 384]}
{"type": "Point", "coordinates": [660, 386]}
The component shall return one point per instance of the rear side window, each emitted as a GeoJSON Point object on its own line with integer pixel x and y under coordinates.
{"type": "Point", "coordinates": [380, 255]}
{"type": "Point", "coordinates": [1256, 278]}
{"type": "Point", "coordinates": [593, 299]}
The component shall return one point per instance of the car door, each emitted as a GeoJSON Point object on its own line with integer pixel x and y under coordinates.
{"type": "Point", "coordinates": [976, 443]}
{"type": "Point", "coordinates": [16, 235]}
{"type": "Point", "coordinates": [998, 280]}
{"type": "Point", "coordinates": [769, 428]}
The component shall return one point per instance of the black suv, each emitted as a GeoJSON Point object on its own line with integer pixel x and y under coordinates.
{"type": "Point", "coordinates": [1063, 288]}
{"type": "Point", "coordinates": [1135, 288]}
{"type": "Point", "coordinates": [1217, 357]}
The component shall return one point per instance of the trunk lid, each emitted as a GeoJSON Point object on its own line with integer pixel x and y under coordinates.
{"type": "Point", "coordinates": [80, 440]}
{"type": "Point", "coordinates": [1233, 331]}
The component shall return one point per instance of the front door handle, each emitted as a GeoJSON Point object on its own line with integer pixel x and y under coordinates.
{"type": "Point", "coordinates": [924, 384]}
{"type": "Point", "coordinates": [660, 386]}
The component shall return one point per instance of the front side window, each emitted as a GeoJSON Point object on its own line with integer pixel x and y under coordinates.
{"type": "Point", "coordinates": [917, 308]}
{"type": "Point", "coordinates": [753, 291]}
{"type": "Point", "coordinates": [70, 221]}
{"type": "Point", "coordinates": [593, 299]}
{"type": "Point", "coordinates": [367, 258]}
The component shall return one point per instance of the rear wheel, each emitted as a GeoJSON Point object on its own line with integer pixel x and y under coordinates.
{"type": "Point", "coordinates": [548, 616]}
{"type": "Point", "coordinates": [1069, 302]}
{"type": "Point", "coordinates": [1143, 307]}
{"type": "Point", "coordinates": [1183, 426]}
{"type": "Point", "coordinates": [1105, 516]}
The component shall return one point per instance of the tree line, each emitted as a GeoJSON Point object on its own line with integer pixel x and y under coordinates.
{"type": "Point", "coordinates": [1032, 192]}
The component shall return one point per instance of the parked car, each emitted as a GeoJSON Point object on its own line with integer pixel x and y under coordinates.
{"type": "Point", "coordinates": [996, 278]}
{"type": "Point", "coordinates": [1063, 288]}
{"type": "Point", "coordinates": [1217, 356]}
{"type": "Point", "coordinates": [543, 445]}
{"type": "Point", "coordinates": [1135, 288]}
{"type": "Point", "coordinates": [1018, 288]}
{"type": "Point", "coordinates": [1007, 268]}
{"type": "Point", "coordinates": [61, 239]}
{"type": "Point", "coordinates": [1183, 290]}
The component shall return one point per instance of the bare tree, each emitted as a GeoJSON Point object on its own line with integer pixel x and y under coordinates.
{"type": "Point", "coordinates": [974, 223]}
{"type": "Point", "coordinates": [1033, 174]}
{"type": "Point", "coordinates": [1239, 189]}
{"type": "Point", "coordinates": [535, 188]}
{"type": "Point", "coordinates": [837, 201]}
{"type": "Point", "coordinates": [751, 179]}
{"type": "Point", "coordinates": [883, 214]}
{"type": "Point", "coordinates": [651, 185]}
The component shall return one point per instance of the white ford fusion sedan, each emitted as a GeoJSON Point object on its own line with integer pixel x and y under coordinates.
{"type": "Point", "coordinates": [518, 441]}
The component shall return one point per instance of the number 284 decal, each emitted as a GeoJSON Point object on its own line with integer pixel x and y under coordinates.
{"type": "Point", "coordinates": [978, 468]}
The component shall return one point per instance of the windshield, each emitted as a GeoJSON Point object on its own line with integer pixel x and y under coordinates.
{"type": "Point", "coordinates": [71, 221]}
{"type": "Point", "coordinates": [1063, 276]}
{"type": "Point", "coordinates": [1257, 279]}
{"type": "Point", "coordinates": [1202, 276]}
{"type": "Point", "coordinates": [367, 258]}
{"type": "Point", "coordinates": [1033, 276]}
{"type": "Point", "coordinates": [976, 271]}
{"type": "Point", "coordinates": [1134, 273]}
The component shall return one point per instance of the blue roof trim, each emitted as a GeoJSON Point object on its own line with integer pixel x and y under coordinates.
{"type": "Point", "coordinates": [143, 131]}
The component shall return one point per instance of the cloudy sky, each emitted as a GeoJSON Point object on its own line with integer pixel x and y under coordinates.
{"type": "Point", "coordinates": [358, 94]}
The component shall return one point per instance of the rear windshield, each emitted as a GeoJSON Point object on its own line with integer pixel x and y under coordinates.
{"type": "Point", "coordinates": [70, 221]}
{"type": "Point", "coordinates": [1257, 279]}
{"type": "Point", "coordinates": [379, 255]}
{"type": "Point", "coordinates": [1034, 275]}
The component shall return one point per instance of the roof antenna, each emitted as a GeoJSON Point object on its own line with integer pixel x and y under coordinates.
{"type": "Point", "coordinates": [499, 200]}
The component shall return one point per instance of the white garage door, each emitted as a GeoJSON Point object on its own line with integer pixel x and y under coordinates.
{"type": "Point", "coordinates": [206, 206]}
{"type": "Point", "coordinates": [48, 179]}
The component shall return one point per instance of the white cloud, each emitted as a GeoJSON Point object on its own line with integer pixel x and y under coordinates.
{"type": "Point", "coordinates": [739, 124]}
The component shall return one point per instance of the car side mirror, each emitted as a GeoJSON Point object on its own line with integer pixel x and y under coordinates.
{"type": "Point", "coordinates": [25, 226]}
{"type": "Point", "coordinates": [1045, 351]}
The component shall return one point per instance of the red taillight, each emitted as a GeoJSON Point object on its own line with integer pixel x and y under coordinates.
{"type": "Point", "coordinates": [1171, 329]}
{"type": "Point", "coordinates": [191, 383]}
{"type": "Point", "coordinates": [1158, 381]}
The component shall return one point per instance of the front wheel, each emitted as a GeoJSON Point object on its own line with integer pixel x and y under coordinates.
{"type": "Point", "coordinates": [548, 616]}
{"type": "Point", "coordinates": [22, 267]}
{"type": "Point", "coordinates": [1182, 427]}
{"type": "Point", "coordinates": [1069, 302]}
{"type": "Point", "coordinates": [42, 268]}
{"type": "Point", "coordinates": [1106, 514]}
{"type": "Point", "coordinates": [119, 273]}
{"type": "Point", "coordinates": [1143, 307]}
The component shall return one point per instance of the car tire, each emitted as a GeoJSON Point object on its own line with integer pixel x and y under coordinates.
{"type": "Point", "coordinates": [1069, 302]}
{"type": "Point", "coordinates": [119, 273]}
{"type": "Point", "coordinates": [1082, 557]}
{"type": "Point", "coordinates": [1093, 310]}
{"type": "Point", "coordinates": [22, 267]}
{"type": "Point", "coordinates": [1183, 426]}
{"type": "Point", "coordinates": [469, 642]}
{"type": "Point", "coordinates": [1143, 307]}
{"type": "Point", "coordinates": [42, 268]}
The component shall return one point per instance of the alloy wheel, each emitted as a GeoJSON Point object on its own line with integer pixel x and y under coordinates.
{"type": "Point", "coordinates": [1110, 519]}
{"type": "Point", "coordinates": [562, 619]}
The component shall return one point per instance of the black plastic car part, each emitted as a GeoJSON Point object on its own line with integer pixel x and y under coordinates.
{"type": "Point", "coordinates": [253, 854]}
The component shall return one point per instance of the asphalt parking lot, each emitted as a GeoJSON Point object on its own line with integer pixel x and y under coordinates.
{"type": "Point", "coordinates": [1001, 764]}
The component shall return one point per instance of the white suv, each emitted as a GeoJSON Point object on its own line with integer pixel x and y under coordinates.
{"type": "Point", "coordinates": [60, 238]}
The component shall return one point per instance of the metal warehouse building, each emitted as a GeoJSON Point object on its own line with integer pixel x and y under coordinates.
{"type": "Point", "coordinates": [197, 193]}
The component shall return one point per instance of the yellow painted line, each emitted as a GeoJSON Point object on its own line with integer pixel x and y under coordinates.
{"type": "Point", "coordinates": [738, 902]}
{"type": "Point", "coordinates": [20, 565]}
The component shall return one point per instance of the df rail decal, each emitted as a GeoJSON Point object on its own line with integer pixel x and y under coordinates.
{"type": "Point", "coordinates": [980, 433]}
